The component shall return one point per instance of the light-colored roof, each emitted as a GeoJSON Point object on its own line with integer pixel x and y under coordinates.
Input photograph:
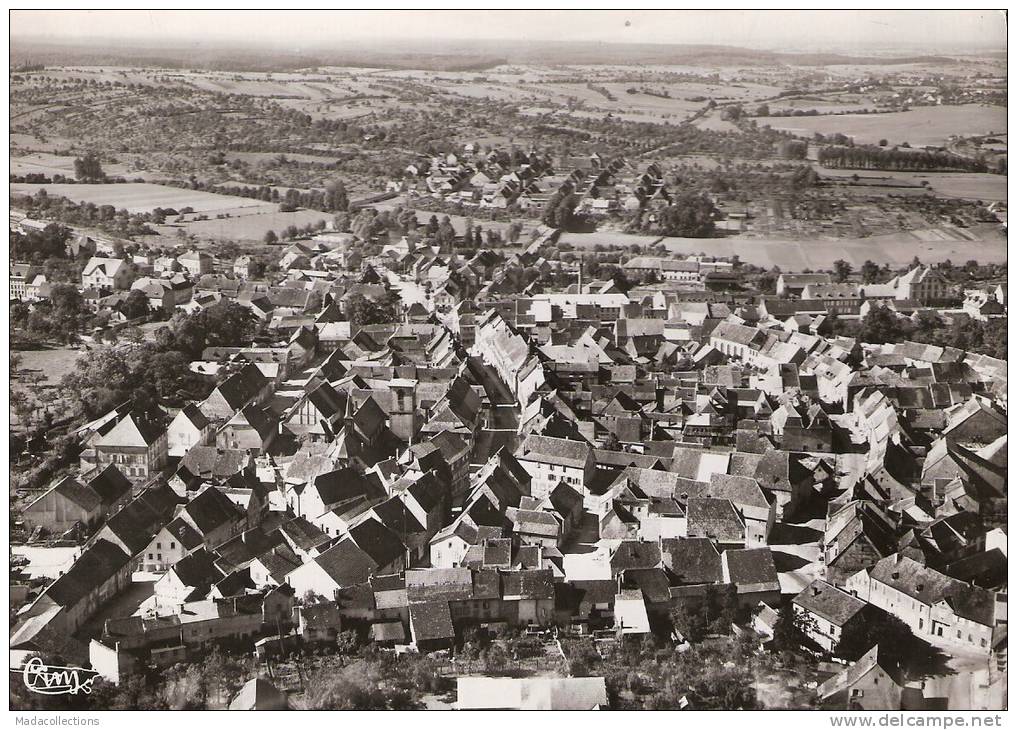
{"type": "Point", "coordinates": [531, 693]}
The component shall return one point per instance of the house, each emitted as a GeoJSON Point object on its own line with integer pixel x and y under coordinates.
{"type": "Point", "coordinates": [196, 263]}
{"type": "Point", "coordinates": [135, 446]}
{"type": "Point", "coordinates": [342, 565]}
{"type": "Point", "coordinates": [20, 275]}
{"type": "Point", "coordinates": [431, 626]}
{"type": "Point", "coordinates": [252, 428]}
{"type": "Point", "coordinates": [107, 274]}
{"type": "Point", "coordinates": [922, 284]}
{"type": "Point", "coordinates": [244, 387]}
{"type": "Point", "coordinates": [941, 610]}
{"type": "Point", "coordinates": [866, 685]}
{"type": "Point", "coordinates": [65, 505]}
{"type": "Point", "coordinates": [188, 428]}
{"type": "Point", "coordinates": [826, 611]}
{"type": "Point", "coordinates": [792, 285]}
{"type": "Point", "coordinates": [753, 574]}
{"type": "Point", "coordinates": [550, 461]}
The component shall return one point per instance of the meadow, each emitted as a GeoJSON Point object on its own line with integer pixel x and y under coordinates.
{"type": "Point", "coordinates": [968, 185]}
{"type": "Point", "coordinates": [142, 197]}
{"type": "Point", "coordinates": [923, 126]}
{"type": "Point", "coordinates": [897, 249]}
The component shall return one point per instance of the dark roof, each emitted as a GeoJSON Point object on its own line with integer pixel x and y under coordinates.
{"type": "Point", "coordinates": [212, 509]}
{"type": "Point", "coordinates": [73, 491]}
{"type": "Point", "coordinates": [693, 561]}
{"type": "Point", "coordinates": [110, 484]}
{"type": "Point", "coordinates": [346, 563]}
{"type": "Point", "coordinates": [379, 542]}
{"type": "Point", "coordinates": [431, 621]}
{"type": "Point", "coordinates": [394, 515]}
{"type": "Point", "coordinates": [303, 533]}
{"type": "Point", "coordinates": [714, 518]}
{"type": "Point", "coordinates": [528, 584]}
{"type": "Point", "coordinates": [653, 583]}
{"type": "Point", "coordinates": [633, 554]}
{"type": "Point", "coordinates": [186, 535]}
{"type": "Point", "coordinates": [98, 563]}
{"type": "Point", "coordinates": [141, 518]}
{"type": "Point", "coordinates": [829, 602]}
{"type": "Point", "coordinates": [198, 570]}
{"type": "Point", "coordinates": [751, 567]}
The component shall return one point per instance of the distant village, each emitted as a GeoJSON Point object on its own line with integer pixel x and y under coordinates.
{"type": "Point", "coordinates": [569, 460]}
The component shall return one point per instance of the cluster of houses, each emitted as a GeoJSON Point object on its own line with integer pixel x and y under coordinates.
{"type": "Point", "coordinates": [527, 181]}
{"type": "Point", "coordinates": [578, 457]}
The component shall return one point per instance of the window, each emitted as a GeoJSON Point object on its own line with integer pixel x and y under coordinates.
{"type": "Point", "coordinates": [150, 556]}
{"type": "Point", "coordinates": [158, 556]}
{"type": "Point", "coordinates": [158, 545]}
{"type": "Point", "coordinates": [958, 633]}
{"type": "Point", "coordinates": [173, 546]}
{"type": "Point", "coordinates": [921, 623]}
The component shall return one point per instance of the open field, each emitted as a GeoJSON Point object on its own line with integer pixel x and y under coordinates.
{"type": "Point", "coordinates": [924, 126]}
{"type": "Point", "coordinates": [51, 364]}
{"type": "Point", "coordinates": [897, 250]}
{"type": "Point", "coordinates": [51, 164]}
{"type": "Point", "coordinates": [247, 224]}
{"type": "Point", "coordinates": [970, 185]}
{"type": "Point", "coordinates": [142, 197]}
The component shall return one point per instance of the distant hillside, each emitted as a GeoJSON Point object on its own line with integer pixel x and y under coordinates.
{"type": "Point", "coordinates": [433, 55]}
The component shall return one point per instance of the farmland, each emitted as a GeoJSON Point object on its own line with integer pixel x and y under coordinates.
{"type": "Point", "coordinates": [897, 250]}
{"type": "Point", "coordinates": [926, 126]}
{"type": "Point", "coordinates": [141, 197]}
{"type": "Point", "coordinates": [970, 185]}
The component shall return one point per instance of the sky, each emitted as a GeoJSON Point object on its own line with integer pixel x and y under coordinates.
{"type": "Point", "coordinates": [928, 31]}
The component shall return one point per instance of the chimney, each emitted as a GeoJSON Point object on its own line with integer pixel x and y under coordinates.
{"type": "Point", "coordinates": [816, 590]}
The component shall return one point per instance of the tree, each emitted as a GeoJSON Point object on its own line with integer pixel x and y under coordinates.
{"type": "Point", "coordinates": [897, 644]}
{"type": "Point", "coordinates": [271, 237]}
{"type": "Point", "coordinates": [88, 168]}
{"type": "Point", "coordinates": [789, 633]}
{"type": "Point", "coordinates": [841, 270]}
{"type": "Point", "coordinates": [870, 272]}
{"type": "Point", "coordinates": [881, 325]}
{"type": "Point", "coordinates": [136, 304]}
{"type": "Point", "coordinates": [363, 310]}
{"type": "Point", "coordinates": [689, 216]}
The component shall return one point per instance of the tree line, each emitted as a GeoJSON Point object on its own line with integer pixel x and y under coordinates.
{"type": "Point", "coordinates": [872, 157]}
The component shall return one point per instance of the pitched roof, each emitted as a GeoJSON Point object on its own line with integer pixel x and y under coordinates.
{"type": "Point", "coordinates": [212, 509]}
{"type": "Point", "coordinates": [752, 567]}
{"type": "Point", "coordinates": [829, 602]}
{"type": "Point", "coordinates": [99, 562]}
{"type": "Point", "coordinates": [73, 491]}
{"type": "Point", "coordinates": [131, 431]}
{"type": "Point", "coordinates": [110, 484]}
{"type": "Point", "coordinates": [346, 564]}
{"type": "Point", "coordinates": [693, 560]}
{"type": "Point", "coordinates": [548, 449]}
{"type": "Point", "coordinates": [380, 543]}
{"type": "Point", "coordinates": [931, 587]}
{"type": "Point", "coordinates": [431, 621]}
{"type": "Point", "coordinates": [714, 518]}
